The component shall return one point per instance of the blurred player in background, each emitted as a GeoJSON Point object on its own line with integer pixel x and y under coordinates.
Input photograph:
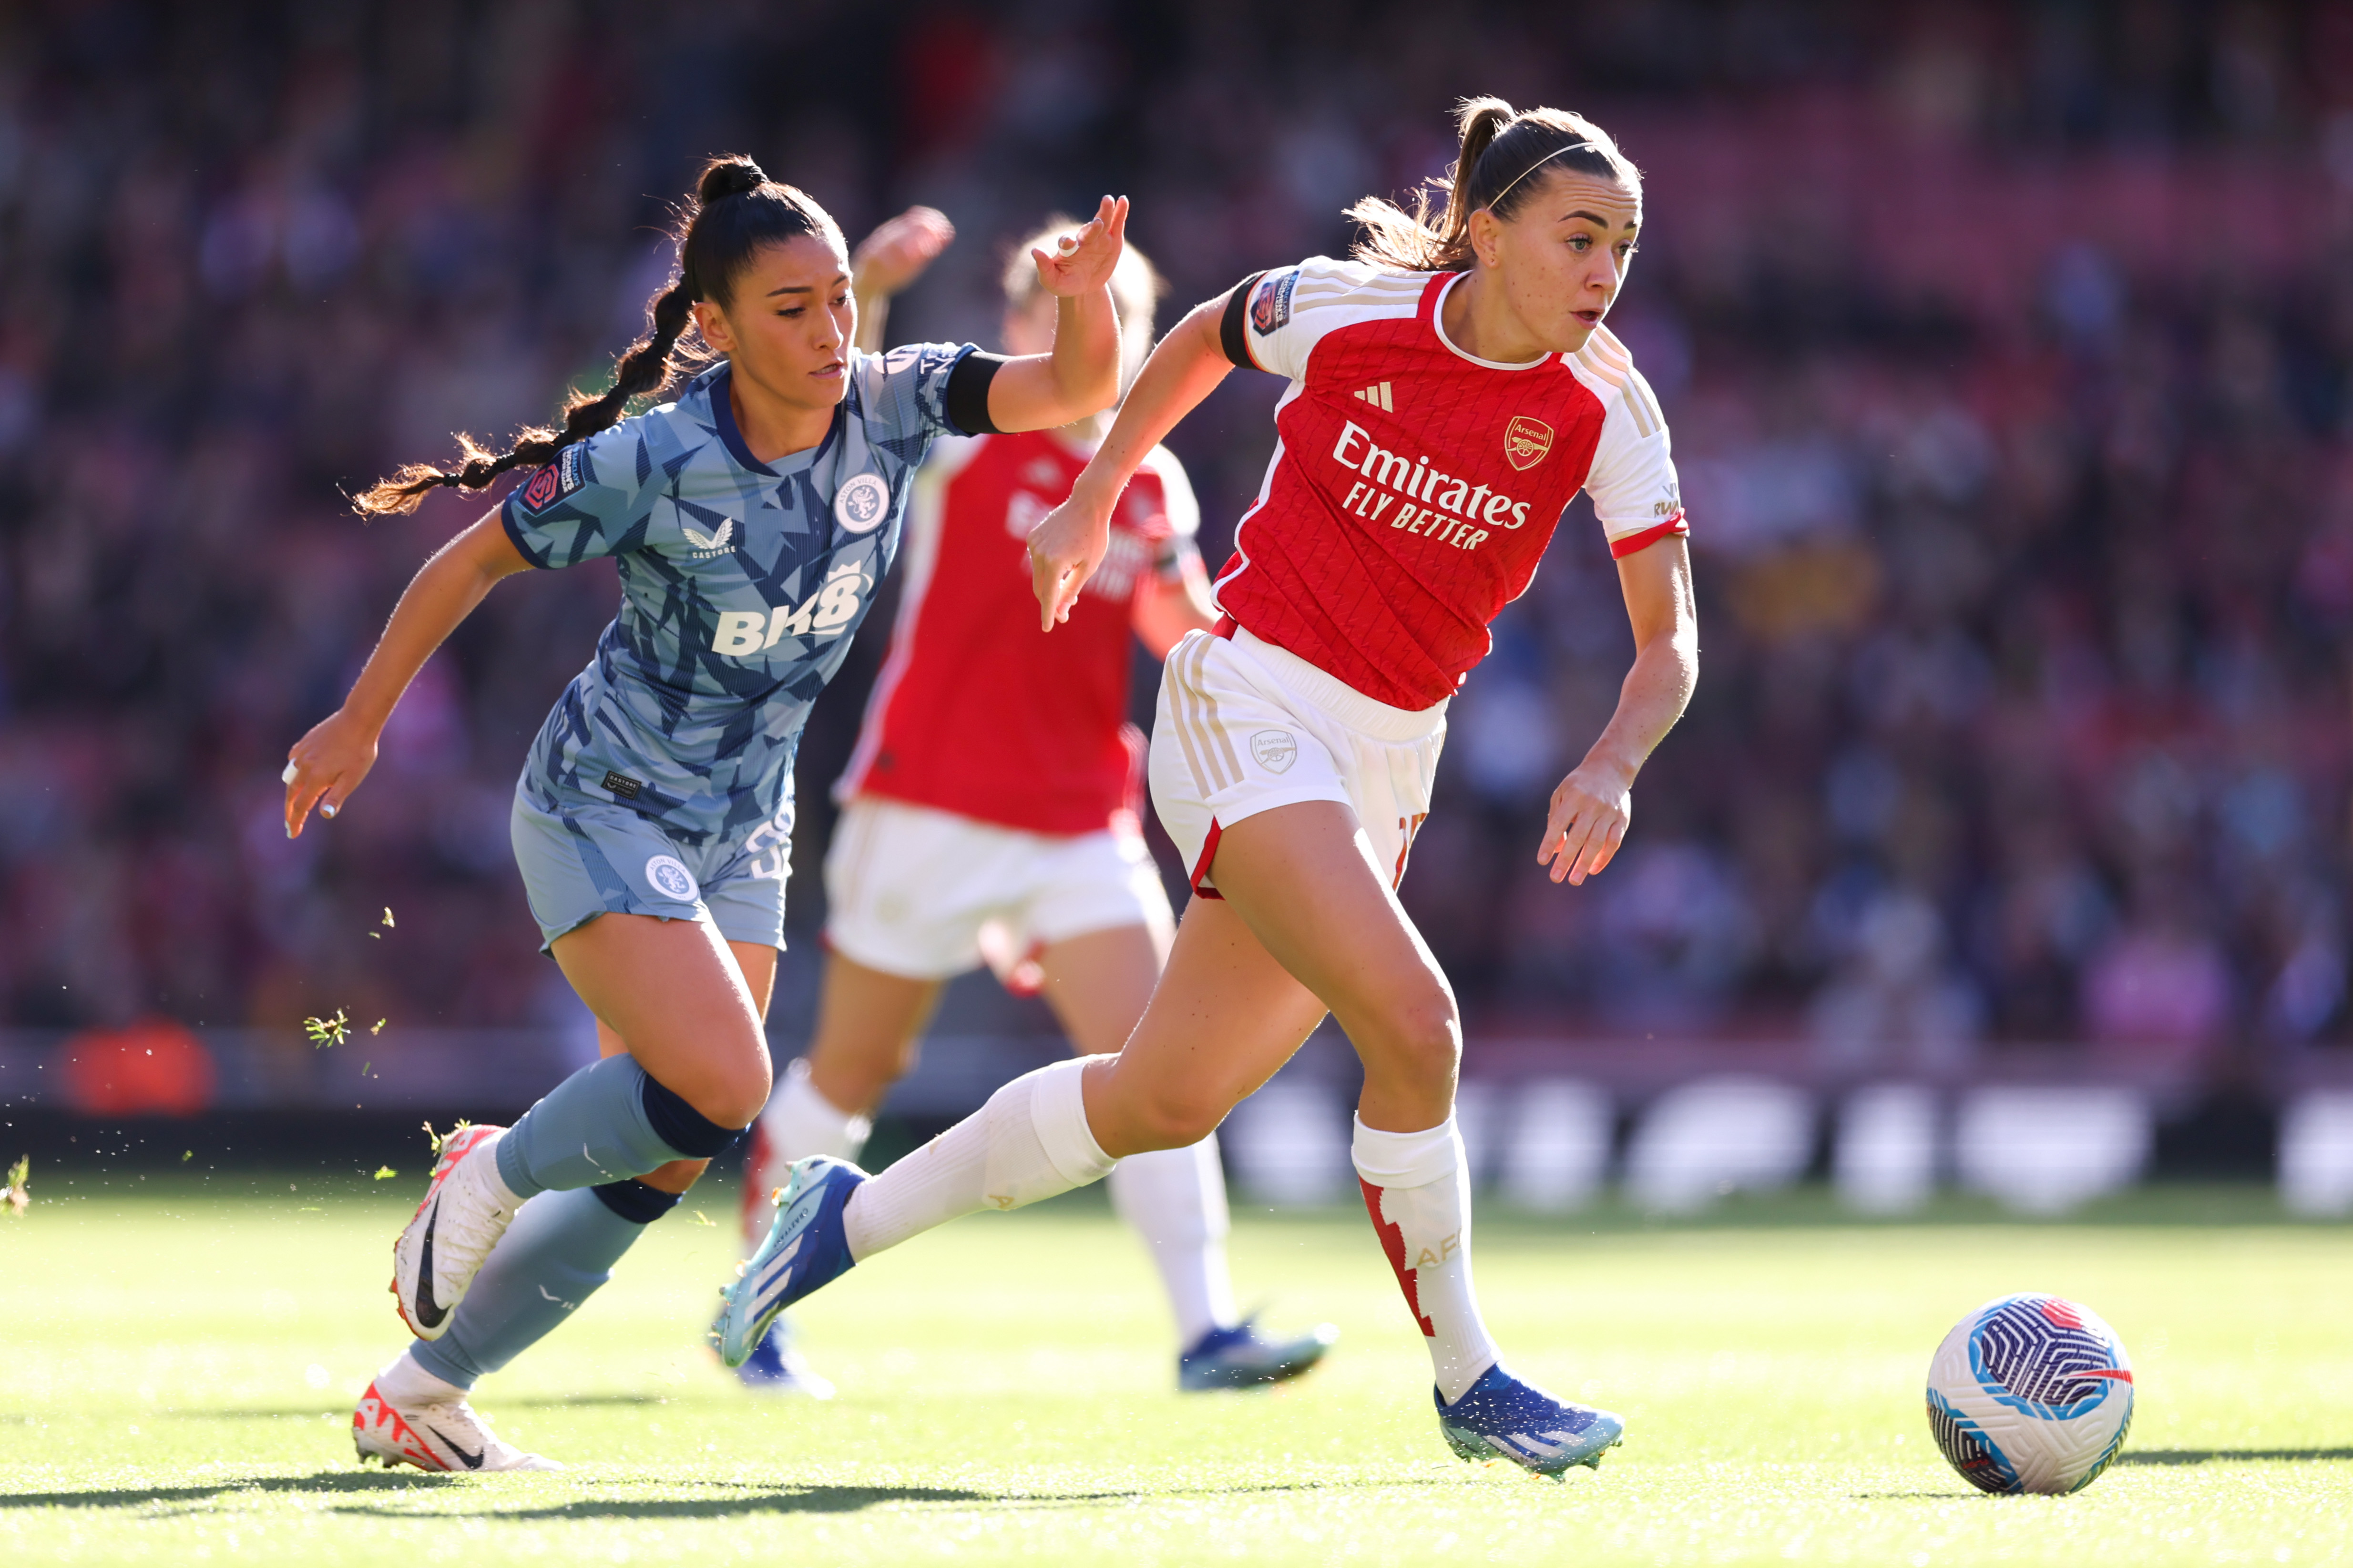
{"type": "Point", "coordinates": [992, 812]}
{"type": "Point", "coordinates": [1452, 390]}
{"type": "Point", "coordinates": [751, 520]}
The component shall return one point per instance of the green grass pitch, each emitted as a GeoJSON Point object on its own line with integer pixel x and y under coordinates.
{"type": "Point", "coordinates": [178, 1363]}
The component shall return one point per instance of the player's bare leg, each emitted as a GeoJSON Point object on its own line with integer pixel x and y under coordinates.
{"type": "Point", "coordinates": [1304, 883]}
{"type": "Point", "coordinates": [869, 1026]}
{"type": "Point", "coordinates": [672, 991]}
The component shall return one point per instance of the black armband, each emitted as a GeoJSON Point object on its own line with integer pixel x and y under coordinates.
{"type": "Point", "coordinates": [1230, 329]}
{"type": "Point", "coordinates": [968, 398]}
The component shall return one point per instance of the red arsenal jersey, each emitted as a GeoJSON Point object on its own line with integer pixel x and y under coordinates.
{"type": "Point", "coordinates": [976, 711]}
{"type": "Point", "coordinates": [1414, 487]}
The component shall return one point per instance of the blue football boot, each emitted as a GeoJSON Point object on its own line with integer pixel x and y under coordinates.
{"type": "Point", "coordinates": [1241, 1357]}
{"type": "Point", "coordinates": [804, 1248]}
{"type": "Point", "coordinates": [1500, 1417]}
{"type": "Point", "coordinates": [776, 1366]}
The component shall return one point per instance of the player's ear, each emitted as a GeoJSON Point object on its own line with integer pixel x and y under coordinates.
{"type": "Point", "coordinates": [712, 323]}
{"type": "Point", "coordinates": [1486, 233]}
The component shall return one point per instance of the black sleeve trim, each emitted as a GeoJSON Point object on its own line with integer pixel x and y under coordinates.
{"type": "Point", "coordinates": [967, 398]}
{"type": "Point", "coordinates": [1230, 330]}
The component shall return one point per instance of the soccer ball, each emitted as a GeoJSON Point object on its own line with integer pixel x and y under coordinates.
{"type": "Point", "coordinates": [2031, 1394]}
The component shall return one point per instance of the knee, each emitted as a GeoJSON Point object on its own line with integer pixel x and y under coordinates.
{"type": "Point", "coordinates": [1426, 1035]}
{"type": "Point", "coordinates": [675, 1177]}
{"type": "Point", "coordinates": [731, 1093]}
{"type": "Point", "coordinates": [1172, 1122]}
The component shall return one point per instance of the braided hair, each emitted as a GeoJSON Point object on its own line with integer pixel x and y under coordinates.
{"type": "Point", "coordinates": [733, 210]}
{"type": "Point", "coordinates": [1503, 154]}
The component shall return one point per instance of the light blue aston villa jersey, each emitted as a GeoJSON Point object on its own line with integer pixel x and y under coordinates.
{"type": "Point", "coordinates": [740, 586]}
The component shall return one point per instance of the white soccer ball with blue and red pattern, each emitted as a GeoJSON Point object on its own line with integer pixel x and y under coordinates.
{"type": "Point", "coordinates": [2031, 1394]}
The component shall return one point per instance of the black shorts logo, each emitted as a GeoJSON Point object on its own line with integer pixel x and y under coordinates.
{"type": "Point", "coordinates": [622, 784]}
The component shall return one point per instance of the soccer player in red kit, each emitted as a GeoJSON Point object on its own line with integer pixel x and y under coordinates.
{"type": "Point", "coordinates": [1452, 390]}
{"type": "Point", "coordinates": [990, 813]}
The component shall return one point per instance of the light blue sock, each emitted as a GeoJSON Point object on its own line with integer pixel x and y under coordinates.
{"type": "Point", "coordinates": [559, 1250]}
{"type": "Point", "coordinates": [591, 1128]}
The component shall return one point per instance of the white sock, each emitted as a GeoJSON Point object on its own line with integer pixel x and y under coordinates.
{"type": "Point", "coordinates": [1030, 1141]}
{"type": "Point", "coordinates": [403, 1382]}
{"type": "Point", "coordinates": [798, 1122]}
{"type": "Point", "coordinates": [1417, 1189]}
{"type": "Point", "coordinates": [1176, 1200]}
{"type": "Point", "coordinates": [802, 1122]}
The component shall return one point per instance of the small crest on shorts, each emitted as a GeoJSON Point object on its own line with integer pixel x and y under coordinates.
{"type": "Point", "coordinates": [623, 785]}
{"type": "Point", "coordinates": [1270, 305]}
{"type": "Point", "coordinates": [1527, 441]}
{"type": "Point", "coordinates": [670, 877]}
{"type": "Point", "coordinates": [1275, 750]}
{"type": "Point", "coordinates": [554, 482]}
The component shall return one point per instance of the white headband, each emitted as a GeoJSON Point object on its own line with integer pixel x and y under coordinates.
{"type": "Point", "coordinates": [1532, 168]}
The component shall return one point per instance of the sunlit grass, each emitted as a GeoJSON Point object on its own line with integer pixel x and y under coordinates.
{"type": "Point", "coordinates": [180, 1363]}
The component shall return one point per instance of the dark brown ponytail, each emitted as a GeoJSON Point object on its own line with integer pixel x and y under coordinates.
{"type": "Point", "coordinates": [1500, 159]}
{"type": "Point", "coordinates": [735, 210]}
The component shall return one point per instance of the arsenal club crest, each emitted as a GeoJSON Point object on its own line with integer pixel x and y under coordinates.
{"type": "Point", "coordinates": [1527, 441]}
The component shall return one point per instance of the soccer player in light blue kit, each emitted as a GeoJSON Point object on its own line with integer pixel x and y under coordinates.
{"type": "Point", "coordinates": [751, 520]}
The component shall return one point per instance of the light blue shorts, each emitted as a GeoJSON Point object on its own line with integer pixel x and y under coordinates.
{"type": "Point", "coordinates": [592, 859]}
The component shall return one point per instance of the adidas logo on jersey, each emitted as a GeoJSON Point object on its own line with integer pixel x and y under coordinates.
{"type": "Point", "coordinates": [741, 632]}
{"type": "Point", "coordinates": [1378, 396]}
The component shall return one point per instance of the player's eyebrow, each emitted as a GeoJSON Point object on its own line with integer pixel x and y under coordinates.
{"type": "Point", "coordinates": [802, 287]}
{"type": "Point", "coordinates": [1596, 220]}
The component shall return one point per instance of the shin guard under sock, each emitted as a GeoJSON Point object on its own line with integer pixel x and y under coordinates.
{"type": "Point", "coordinates": [1417, 1189]}
{"type": "Point", "coordinates": [607, 1122]}
{"type": "Point", "coordinates": [1030, 1142]}
{"type": "Point", "coordinates": [558, 1252]}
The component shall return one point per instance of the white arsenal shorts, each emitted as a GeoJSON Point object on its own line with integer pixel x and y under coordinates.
{"type": "Point", "coordinates": [1245, 726]}
{"type": "Point", "coordinates": [926, 894]}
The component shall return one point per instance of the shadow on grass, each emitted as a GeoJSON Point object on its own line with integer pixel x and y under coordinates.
{"type": "Point", "coordinates": [754, 1499]}
{"type": "Point", "coordinates": [2201, 1455]}
{"type": "Point", "coordinates": [140, 1497]}
{"type": "Point", "coordinates": [343, 1408]}
{"type": "Point", "coordinates": [750, 1498]}
{"type": "Point", "coordinates": [781, 1499]}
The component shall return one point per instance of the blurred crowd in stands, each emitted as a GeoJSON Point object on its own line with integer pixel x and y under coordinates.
{"type": "Point", "coordinates": [2006, 347]}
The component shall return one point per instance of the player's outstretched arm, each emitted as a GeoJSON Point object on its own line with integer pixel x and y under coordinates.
{"type": "Point", "coordinates": [1042, 392]}
{"type": "Point", "coordinates": [889, 259]}
{"type": "Point", "coordinates": [1069, 542]}
{"type": "Point", "coordinates": [327, 764]}
{"type": "Point", "coordinates": [1595, 801]}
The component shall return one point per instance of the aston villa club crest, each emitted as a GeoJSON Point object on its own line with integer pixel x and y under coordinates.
{"type": "Point", "coordinates": [1527, 441]}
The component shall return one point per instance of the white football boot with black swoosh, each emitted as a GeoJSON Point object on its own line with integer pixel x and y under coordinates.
{"type": "Point", "coordinates": [440, 1434]}
{"type": "Point", "coordinates": [466, 1209]}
